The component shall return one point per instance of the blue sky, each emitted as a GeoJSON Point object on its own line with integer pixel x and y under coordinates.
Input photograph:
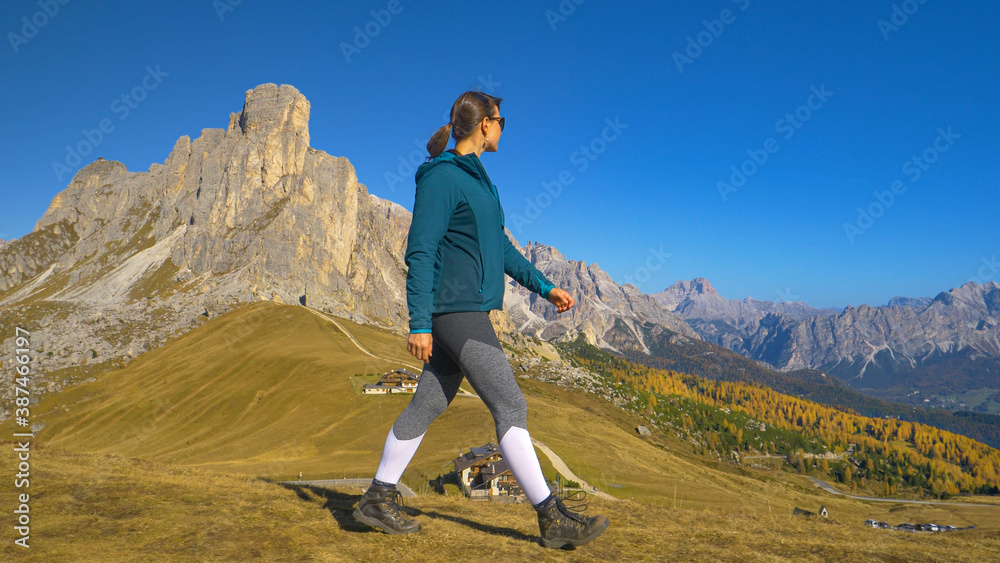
{"type": "Point", "coordinates": [746, 134]}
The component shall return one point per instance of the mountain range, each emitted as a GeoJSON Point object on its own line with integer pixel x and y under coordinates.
{"type": "Point", "coordinates": [945, 344]}
{"type": "Point", "coordinates": [123, 260]}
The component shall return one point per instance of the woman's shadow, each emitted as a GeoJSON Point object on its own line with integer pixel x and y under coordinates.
{"type": "Point", "coordinates": [341, 506]}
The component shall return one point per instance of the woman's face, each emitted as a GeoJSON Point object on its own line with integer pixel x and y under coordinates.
{"type": "Point", "coordinates": [493, 131]}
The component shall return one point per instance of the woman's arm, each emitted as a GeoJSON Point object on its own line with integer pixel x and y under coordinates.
{"type": "Point", "coordinates": [518, 267]}
{"type": "Point", "coordinates": [526, 274]}
{"type": "Point", "coordinates": [433, 205]}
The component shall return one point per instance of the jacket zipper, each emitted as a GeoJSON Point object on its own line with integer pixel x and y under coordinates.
{"type": "Point", "coordinates": [482, 263]}
{"type": "Point", "coordinates": [482, 284]}
{"type": "Point", "coordinates": [482, 268]}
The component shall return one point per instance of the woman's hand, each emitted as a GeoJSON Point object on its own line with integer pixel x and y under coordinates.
{"type": "Point", "coordinates": [562, 300]}
{"type": "Point", "coordinates": [419, 344]}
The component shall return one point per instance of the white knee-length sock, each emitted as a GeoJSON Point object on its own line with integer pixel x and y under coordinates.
{"type": "Point", "coordinates": [396, 455]}
{"type": "Point", "coordinates": [520, 457]}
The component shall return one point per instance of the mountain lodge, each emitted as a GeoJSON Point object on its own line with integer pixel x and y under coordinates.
{"type": "Point", "coordinates": [400, 380]}
{"type": "Point", "coordinates": [483, 474]}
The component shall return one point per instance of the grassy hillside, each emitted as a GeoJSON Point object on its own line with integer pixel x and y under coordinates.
{"type": "Point", "coordinates": [165, 456]}
{"type": "Point", "coordinates": [103, 507]}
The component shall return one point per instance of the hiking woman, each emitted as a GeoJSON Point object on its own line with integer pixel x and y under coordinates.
{"type": "Point", "coordinates": [457, 254]}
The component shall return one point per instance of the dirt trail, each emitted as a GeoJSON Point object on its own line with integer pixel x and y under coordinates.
{"type": "Point", "coordinates": [461, 391]}
{"type": "Point", "coordinates": [564, 470]}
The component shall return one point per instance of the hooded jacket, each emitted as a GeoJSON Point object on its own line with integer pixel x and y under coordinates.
{"type": "Point", "coordinates": [457, 251]}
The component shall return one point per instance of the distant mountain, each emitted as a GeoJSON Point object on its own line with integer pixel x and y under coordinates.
{"type": "Point", "coordinates": [915, 302]}
{"type": "Point", "coordinates": [726, 322]}
{"type": "Point", "coordinates": [713, 316]}
{"type": "Point", "coordinates": [885, 348]}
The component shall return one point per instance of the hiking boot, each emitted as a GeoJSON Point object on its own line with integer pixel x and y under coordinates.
{"type": "Point", "coordinates": [380, 507]}
{"type": "Point", "coordinates": [560, 526]}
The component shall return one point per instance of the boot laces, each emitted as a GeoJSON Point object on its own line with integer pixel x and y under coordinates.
{"type": "Point", "coordinates": [576, 500]}
{"type": "Point", "coordinates": [394, 501]}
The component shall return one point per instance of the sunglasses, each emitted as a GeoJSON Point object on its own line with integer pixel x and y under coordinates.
{"type": "Point", "coordinates": [501, 121]}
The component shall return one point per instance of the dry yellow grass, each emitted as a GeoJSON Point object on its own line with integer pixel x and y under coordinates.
{"type": "Point", "coordinates": [104, 507]}
{"type": "Point", "coordinates": [259, 394]}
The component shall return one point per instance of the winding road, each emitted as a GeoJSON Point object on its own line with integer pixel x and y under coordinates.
{"type": "Point", "coordinates": [824, 485]}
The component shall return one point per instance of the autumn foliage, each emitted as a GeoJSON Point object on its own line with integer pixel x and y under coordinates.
{"type": "Point", "coordinates": [886, 455]}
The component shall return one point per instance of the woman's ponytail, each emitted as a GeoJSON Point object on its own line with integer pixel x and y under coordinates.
{"type": "Point", "coordinates": [467, 113]}
{"type": "Point", "coordinates": [439, 141]}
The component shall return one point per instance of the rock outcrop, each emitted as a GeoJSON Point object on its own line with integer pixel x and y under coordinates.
{"type": "Point", "coordinates": [251, 206]}
{"type": "Point", "coordinates": [608, 314]}
{"type": "Point", "coordinates": [123, 260]}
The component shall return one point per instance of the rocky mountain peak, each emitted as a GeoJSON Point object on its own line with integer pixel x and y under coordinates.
{"type": "Point", "coordinates": [698, 286]}
{"type": "Point", "coordinates": [238, 214]}
{"type": "Point", "coordinates": [686, 291]}
{"type": "Point", "coordinates": [79, 202]}
{"type": "Point", "coordinates": [269, 108]}
{"type": "Point", "coordinates": [945, 297]}
{"type": "Point", "coordinates": [276, 118]}
{"type": "Point", "coordinates": [540, 252]}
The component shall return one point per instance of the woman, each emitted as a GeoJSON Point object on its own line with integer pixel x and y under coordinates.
{"type": "Point", "coordinates": [457, 254]}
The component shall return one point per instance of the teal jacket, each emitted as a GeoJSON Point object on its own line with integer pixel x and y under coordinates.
{"type": "Point", "coordinates": [457, 251]}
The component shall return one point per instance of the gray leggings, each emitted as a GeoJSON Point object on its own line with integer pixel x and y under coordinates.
{"type": "Point", "coordinates": [464, 344]}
